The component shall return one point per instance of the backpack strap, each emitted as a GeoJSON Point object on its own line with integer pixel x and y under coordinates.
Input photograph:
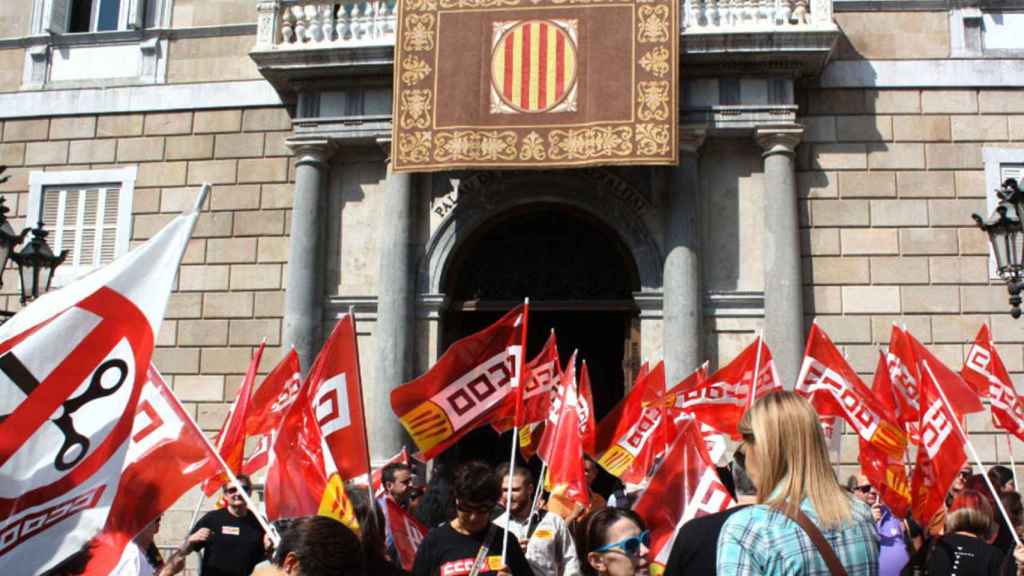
{"type": "Point", "coordinates": [835, 567]}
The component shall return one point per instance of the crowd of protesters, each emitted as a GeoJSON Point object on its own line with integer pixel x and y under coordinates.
{"type": "Point", "coordinates": [793, 517]}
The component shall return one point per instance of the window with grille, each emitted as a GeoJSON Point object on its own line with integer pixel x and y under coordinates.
{"type": "Point", "coordinates": [87, 213]}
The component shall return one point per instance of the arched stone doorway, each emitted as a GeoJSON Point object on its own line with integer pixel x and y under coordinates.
{"type": "Point", "coordinates": [580, 277]}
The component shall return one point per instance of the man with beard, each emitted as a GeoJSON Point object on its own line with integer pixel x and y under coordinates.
{"type": "Point", "coordinates": [230, 539]}
{"type": "Point", "coordinates": [544, 536]}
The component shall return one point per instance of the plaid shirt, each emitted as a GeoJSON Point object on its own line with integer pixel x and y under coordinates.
{"type": "Point", "coordinates": [759, 540]}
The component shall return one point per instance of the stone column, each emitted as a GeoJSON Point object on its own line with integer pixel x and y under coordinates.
{"type": "Point", "coordinates": [683, 307]}
{"type": "Point", "coordinates": [396, 319]}
{"type": "Point", "coordinates": [303, 310]}
{"type": "Point", "coordinates": [783, 285]}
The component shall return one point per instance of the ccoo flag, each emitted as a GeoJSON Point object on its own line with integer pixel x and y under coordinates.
{"type": "Point", "coordinates": [72, 369]}
{"type": "Point", "coordinates": [460, 392]}
{"type": "Point", "coordinates": [985, 372]}
{"type": "Point", "coordinates": [685, 486]}
{"type": "Point", "coordinates": [231, 438]}
{"type": "Point", "coordinates": [303, 477]}
{"type": "Point", "coordinates": [168, 455]}
{"type": "Point", "coordinates": [269, 404]}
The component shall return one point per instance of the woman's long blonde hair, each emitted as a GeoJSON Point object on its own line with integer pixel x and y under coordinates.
{"type": "Point", "coordinates": [791, 457]}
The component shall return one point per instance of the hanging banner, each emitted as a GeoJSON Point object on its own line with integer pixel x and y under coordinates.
{"type": "Point", "coordinates": [534, 84]}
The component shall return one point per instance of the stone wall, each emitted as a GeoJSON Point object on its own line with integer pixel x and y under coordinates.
{"type": "Point", "coordinates": [190, 13]}
{"type": "Point", "coordinates": [888, 180]}
{"type": "Point", "coordinates": [230, 288]}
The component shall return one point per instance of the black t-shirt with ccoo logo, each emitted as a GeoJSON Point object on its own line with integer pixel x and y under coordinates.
{"type": "Point", "coordinates": [446, 552]}
{"type": "Point", "coordinates": [235, 546]}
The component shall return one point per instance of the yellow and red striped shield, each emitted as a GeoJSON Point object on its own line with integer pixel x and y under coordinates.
{"type": "Point", "coordinates": [533, 64]}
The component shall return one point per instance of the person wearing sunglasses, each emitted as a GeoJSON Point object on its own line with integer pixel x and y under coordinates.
{"type": "Point", "coordinates": [470, 544]}
{"type": "Point", "coordinates": [804, 521]}
{"type": "Point", "coordinates": [230, 538]}
{"type": "Point", "coordinates": [617, 544]}
{"type": "Point", "coordinates": [893, 534]}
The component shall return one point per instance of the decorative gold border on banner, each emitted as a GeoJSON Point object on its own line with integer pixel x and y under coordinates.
{"type": "Point", "coordinates": [649, 136]}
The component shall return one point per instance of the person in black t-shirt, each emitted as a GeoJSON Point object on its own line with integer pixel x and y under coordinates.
{"type": "Point", "coordinates": [695, 549]}
{"type": "Point", "coordinates": [231, 539]}
{"type": "Point", "coordinates": [453, 548]}
{"type": "Point", "coordinates": [964, 550]}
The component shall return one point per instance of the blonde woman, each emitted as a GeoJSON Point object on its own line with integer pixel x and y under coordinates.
{"type": "Point", "coordinates": [787, 459]}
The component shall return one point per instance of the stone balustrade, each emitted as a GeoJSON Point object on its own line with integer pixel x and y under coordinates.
{"type": "Point", "coordinates": [724, 16]}
{"type": "Point", "coordinates": [311, 24]}
{"type": "Point", "coordinates": [306, 24]}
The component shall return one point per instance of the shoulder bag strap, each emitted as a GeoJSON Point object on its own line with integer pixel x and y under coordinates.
{"type": "Point", "coordinates": [481, 554]}
{"type": "Point", "coordinates": [835, 567]}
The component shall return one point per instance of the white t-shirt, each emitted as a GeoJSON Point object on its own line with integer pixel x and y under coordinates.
{"type": "Point", "coordinates": [133, 562]}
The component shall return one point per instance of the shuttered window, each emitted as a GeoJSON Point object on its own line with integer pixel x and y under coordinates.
{"type": "Point", "coordinates": [84, 222]}
{"type": "Point", "coordinates": [87, 213]}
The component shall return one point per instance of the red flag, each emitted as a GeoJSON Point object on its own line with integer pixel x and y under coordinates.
{"type": "Point", "coordinates": [336, 393]}
{"type": "Point", "coordinates": [302, 478]}
{"type": "Point", "coordinates": [585, 410]}
{"type": "Point", "coordinates": [888, 475]}
{"type": "Point", "coordinates": [677, 399]}
{"type": "Point", "coordinates": [984, 371]}
{"type": "Point", "coordinates": [566, 380]}
{"type": "Point", "coordinates": [74, 364]}
{"type": "Point", "coordinates": [462, 389]}
{"type": "Point", "coordinates": [904, 380]}
{"type": "Point", "coordinates": [269, 404]}
{"type": "Point", "coordinates": [407, 533]}
{"type": "Point", "coordinates": [834, 389]}
{"type": "Point", "coordinates": [529, 439]}
{"type": "Point", "coordinates": [721, 400]}
{"type": "Point", "coordinates": [565, 478]}
{"type": "Point", "coordinates": [685, 486]}
{"type": "Point", "coordinates": [942, 448]}
{"type": "Point", "coordinates": [544, 372]}
{"type": "Point", "coordinates": [649, 386]}
{"type": "Point", "coordinates": [168, 455]}
{"type": "Point", "coordinates": [231, 437]}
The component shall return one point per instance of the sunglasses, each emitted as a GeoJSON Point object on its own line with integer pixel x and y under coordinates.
{"type": "Point", "coordinates": [631, 545]}
{"type": "Point", "coordinates": [866, 488]}
{"type": "Point", "coordinates": [234, 490]}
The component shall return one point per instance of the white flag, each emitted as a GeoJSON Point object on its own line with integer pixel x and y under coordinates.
{"type": "Point", "coordinates": [72, 367]}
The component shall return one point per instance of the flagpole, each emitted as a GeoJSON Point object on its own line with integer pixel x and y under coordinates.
{"type": "Point", "coordinates": [540, 485]}
{"type": "Point", "coordinates": [757, 368]}
{"type": "Point", "coordinates": [232, 479]}
{"type": "Point", "coordinates": [1013, 465]}
{"type": "Point", "coordinates": [974, 453]}
{"type": "Point", "coordinates": [515, 435]}
{"type": "Point", "coordinates": [362, 406]}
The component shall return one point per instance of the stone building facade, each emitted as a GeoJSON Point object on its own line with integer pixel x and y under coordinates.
{"type": "Point", "coordinates": [832, 155]}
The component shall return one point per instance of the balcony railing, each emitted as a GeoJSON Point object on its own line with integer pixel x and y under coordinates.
{"type": "Point", "coordinates": [744, 16]}
{"type": "Point", "coordinates": [310, 24]}
{"type": "Point", "coordinates": [305, 24]}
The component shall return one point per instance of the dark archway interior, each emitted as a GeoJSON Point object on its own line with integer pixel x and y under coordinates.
{"type": "Point", "coordinates": [580, 279]}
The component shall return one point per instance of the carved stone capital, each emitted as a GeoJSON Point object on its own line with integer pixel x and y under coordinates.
{"type": "Point", "coordinates": [691, 139]}
{"type": "Point", "coordinates": [309, 151]}
{"type": "Point", "coordinates": [779, 139]}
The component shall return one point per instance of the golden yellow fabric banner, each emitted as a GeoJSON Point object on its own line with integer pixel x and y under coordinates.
{"type": "Point", "coordinates": [535, 84]}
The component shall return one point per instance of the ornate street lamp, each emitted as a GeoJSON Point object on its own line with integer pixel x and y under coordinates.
{"type": "Point", "coordinates": [1006, 235]}
{"type": "Point", "coordinates": [36, 263]}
